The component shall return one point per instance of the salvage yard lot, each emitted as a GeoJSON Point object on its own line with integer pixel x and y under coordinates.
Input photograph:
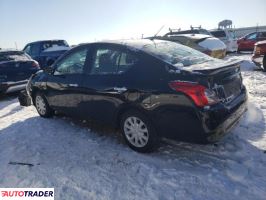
{"type": "Point", "coordinates": [82, 160]}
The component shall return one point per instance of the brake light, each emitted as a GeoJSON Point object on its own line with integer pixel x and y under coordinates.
{"type": "Point", "coordinates": [200, 95]}
{"type": "Point", "coordinates": [35, 64]}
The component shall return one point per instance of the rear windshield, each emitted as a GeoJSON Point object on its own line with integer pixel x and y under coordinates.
{"type": "Point", "coordinates": [175, 54]}
{"type": "Point", "coordinates": [218, 34]}
{"type": "Point", "coordinates": [13, 56]}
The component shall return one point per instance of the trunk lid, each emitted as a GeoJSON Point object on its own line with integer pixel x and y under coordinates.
{"type": "Point", "coordinates": [224, 78]}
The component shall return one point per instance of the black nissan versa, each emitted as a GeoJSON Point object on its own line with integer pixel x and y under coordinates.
{"type": "Point", "coordinates": [148, 88]}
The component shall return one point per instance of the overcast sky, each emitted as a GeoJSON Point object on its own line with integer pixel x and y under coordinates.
{"type": "Point", "coordinates": [78, 21]}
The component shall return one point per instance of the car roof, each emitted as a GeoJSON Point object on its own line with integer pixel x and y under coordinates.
{"type": "Point", "coordinates": [132, 43]}
{"type": "Point", "coordinates": [39, 41]}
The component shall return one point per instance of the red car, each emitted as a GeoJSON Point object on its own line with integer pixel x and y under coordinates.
{"type": "Point", "coordinates": [247, 42]}
{"type": "Point", "coordinates": [259, 54]}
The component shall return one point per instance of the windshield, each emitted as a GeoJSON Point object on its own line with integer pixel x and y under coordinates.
{"type": "Point", "coordinates": [175, 54]}
{"type": "Point", "coordinates": [53, 44]}
{"type": "Point", "coordinates": [13, 56]}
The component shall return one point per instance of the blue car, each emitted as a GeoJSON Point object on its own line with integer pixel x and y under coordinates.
{"type": "Point", "coordinates": [46, 51]}
{"type": "Point", "coordinates": [16, 67]}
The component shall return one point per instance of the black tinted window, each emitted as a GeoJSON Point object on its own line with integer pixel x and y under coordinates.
{"type": "Point", "coordinates": [126, 61]}
{"type": "Point", "coordinates": [109, 61]}
{"type": "Point", "coordinates": [72, 64]}
{"type": "Point", "coordinates": [218, 34]}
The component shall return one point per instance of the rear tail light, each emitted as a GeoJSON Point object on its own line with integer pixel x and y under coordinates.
{"type": "Point", "coordinates": [200, 95]}
{"type": "Point", "coordinates": [35, 64]}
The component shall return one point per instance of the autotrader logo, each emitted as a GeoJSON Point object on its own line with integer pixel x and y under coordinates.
{"type": "Point", "coordinates": [27, 193]}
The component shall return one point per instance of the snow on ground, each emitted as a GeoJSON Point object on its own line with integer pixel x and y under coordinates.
{"type": "Point", "coordinates": [88, 161]}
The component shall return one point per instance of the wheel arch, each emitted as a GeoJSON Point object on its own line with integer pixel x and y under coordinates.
{"type": "Point", "coordinates": [127, 108]}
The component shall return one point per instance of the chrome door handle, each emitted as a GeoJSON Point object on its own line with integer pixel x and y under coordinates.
{"type": "Point", "coordinates": [120, 89]}
{"type": "Point", "coordinates": [73, 85]}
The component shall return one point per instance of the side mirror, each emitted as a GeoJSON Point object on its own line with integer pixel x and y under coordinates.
{"type": "Point", "coordinates": [49, 69]}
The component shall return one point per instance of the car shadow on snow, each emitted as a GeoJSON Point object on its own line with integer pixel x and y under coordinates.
{"type": "Point", "coordinates": [250, 128]}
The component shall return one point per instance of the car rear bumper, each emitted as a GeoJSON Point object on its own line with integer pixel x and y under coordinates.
{"type": "Point", "coordinates": [227, 125]}
{"type": "Point", "coordinates": [257, 59]}
{"type": "Point", "coordinates": [200, 125]}
{"type": "Point", "coordinates": [221, 119]}
{"type": "Point", "coordinates": [8, 87]}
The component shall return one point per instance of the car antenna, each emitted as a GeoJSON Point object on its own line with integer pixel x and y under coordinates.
{"type": "Point", "coordinates": [159, 31]}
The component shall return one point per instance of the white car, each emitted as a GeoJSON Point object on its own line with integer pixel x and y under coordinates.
{"type": "Point", "coordinates": [228, 37]}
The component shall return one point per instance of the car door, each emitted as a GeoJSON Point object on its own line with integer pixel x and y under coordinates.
{"type": "Point", "coordinates": [64, 85]}
{"type": "Point", "coordinates": [104, 93]}
{"type": "Point", "coordinates": [249, 41]}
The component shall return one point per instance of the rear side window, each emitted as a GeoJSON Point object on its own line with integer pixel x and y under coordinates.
{"type": "Point", "coordinates": [175, 54]}
{"type": "Point", "coordinates": [218, 34]}
{"type": "Point", "coordinates": [111, 61]}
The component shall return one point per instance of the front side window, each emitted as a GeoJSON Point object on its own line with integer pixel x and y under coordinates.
{"type": "Point", "coordinates": [73, 64]}
{"type": "Point", "coordinates": [109, 61]}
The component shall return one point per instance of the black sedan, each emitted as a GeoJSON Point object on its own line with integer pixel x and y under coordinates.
{"type": "Point", "coordinates": [16, 67]}
{"type": "Point", "coordinates": [149, 88]}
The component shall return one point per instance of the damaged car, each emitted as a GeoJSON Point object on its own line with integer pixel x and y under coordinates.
{"type": "Point", "coordinates": [150, 89]}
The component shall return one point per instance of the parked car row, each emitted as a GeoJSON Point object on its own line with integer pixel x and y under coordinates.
{"type": "Point", "coordinates": [245, 43]}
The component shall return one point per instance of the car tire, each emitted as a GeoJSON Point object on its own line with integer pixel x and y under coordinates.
{"type": "Point", "coordinates": [264, 63]}
{"type": "Point", "coordinates": [42, 106]}
{"type": "Point", "coordinates": [138, 132]}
